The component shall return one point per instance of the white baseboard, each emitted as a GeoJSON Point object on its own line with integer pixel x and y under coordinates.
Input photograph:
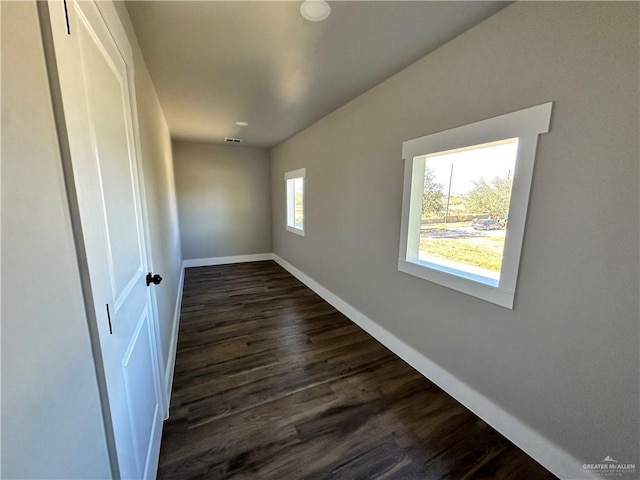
{"type": "Point", "coordinates": [549, 455]}
{"type": "Point", "coordinates": [173, 346]}
{"type": "Point", "coordinates": [205, 262]}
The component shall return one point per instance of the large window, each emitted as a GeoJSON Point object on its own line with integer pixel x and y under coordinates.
{"type": "Point", "coordinates": [466, 192]}
{"type": "Point", "coordinates": [295, 200]}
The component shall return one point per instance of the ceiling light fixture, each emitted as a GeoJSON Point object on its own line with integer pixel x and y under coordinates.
{"type": "Point", "coordinates": [315, 10]}
{"type": "Point", "coordinates": [242, 124]}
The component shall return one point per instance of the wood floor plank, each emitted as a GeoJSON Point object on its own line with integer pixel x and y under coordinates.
{"type": "Point", "coordinates": [271, 382]}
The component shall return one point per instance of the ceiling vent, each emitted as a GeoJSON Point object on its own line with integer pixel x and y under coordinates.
{"type": "Point", "coordinates": [232, 140]}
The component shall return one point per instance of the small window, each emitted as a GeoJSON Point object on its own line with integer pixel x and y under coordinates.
{"type": "Point", "coordinates": [295, 201]}
{"type": "Point", "coordinates": [466, 193]}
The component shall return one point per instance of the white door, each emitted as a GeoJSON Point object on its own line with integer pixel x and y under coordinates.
{"type": "Point", "coordinates": [94, 64]}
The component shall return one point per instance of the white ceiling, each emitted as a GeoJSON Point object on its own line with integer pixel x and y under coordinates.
{"type": "Point", "coordinates": [217, 62]}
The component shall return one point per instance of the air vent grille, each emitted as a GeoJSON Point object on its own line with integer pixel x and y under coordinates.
{"type": "Point", "coordinates": [232, 140]}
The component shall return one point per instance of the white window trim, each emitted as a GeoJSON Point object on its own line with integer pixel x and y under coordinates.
{"type": "Point", "coordinates": [300, 173]}
{"type": "Point", "coordinates": [525, 124]}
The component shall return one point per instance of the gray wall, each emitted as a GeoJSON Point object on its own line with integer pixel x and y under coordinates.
{"type": "Point", "coordinates": [51, 417]}
{"type": "Point", "coordinates": [224, 199]}
{"type": "Point", "coordinates": [565, 361]}
{"type": "Point", "coordinates": [157, 164]}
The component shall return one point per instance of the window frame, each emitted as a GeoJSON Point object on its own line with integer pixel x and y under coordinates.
{"type": "Point", "coordinates": [289, 178]}
{"type": "Point", "coordinates": [526, 124]}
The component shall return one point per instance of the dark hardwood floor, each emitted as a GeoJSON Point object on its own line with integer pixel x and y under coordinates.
{"type": "Point", "coordinates": [271, 382]}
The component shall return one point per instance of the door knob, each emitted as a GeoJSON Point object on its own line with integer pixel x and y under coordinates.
{"type": "Point", "coordinates": [155, 279]}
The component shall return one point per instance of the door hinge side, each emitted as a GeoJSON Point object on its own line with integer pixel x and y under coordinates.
{"type": "Point", "coordinates": [66, 16]}
{"type": "Point", "coordinates": [109, 319]}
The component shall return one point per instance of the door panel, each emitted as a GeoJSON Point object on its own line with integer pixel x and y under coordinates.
{"type": "Point", "coordinates": [94, 69]}
{"type": "Point", "coordinates": [107, 106]}
{"type": "Point", "coordinates": [143, 410]}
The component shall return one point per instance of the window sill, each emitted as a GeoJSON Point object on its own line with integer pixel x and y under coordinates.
{"type": "Point", "coordinates": [474, 285]}
{"type": "Point", "coordinates": [297, 231]}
